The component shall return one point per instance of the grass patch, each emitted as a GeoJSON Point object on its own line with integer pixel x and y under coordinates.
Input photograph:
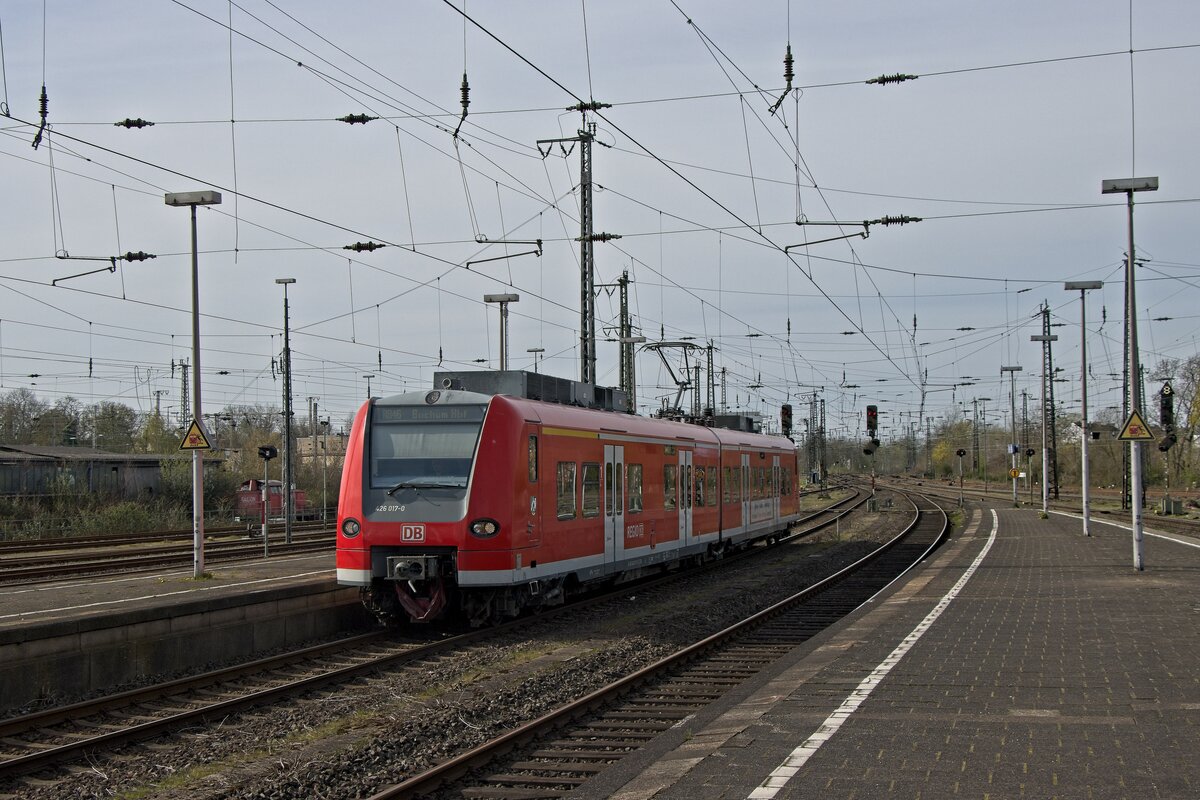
{"type": "Point", "coordinates": [180, 782]}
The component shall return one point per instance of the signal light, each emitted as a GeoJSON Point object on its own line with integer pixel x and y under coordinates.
{"type": "Point", "coordinates": [1166, 411]}
{"type": "Point", "coordinates": [785, 419]}
{"type": "Point", "coordinates": [1167, 442]}
{"type": "Point", "coordinates": [267, 451]}
{"type": "Point", "coordinates": [872, 419]}
{"type": "Point", "coordinates": [960, 452]}
{"type": "Point", "coordinates": [1029, 452]}
{"type": "Point", "coordinates": [871, 446]}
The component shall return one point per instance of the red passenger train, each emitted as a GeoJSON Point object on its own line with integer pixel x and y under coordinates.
{"type": "Point", "coordinates": [489, 504]}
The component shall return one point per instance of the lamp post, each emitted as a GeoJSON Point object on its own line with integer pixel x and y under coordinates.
{"type": "Point", "coordinates": [1128, 186]}
{"type": "Point", "coordinates": [1082, 286]}
{"type": "Point", "coordinates": [536, 352]}
{"type": "Point", "coordinates": [205, 197]}
{"type": "Point", "coordinates": [503, 300]}
{"type": "Point", "coordinates": [289, 508]}
{"type": "Point", "coordinates": [1013, 446]}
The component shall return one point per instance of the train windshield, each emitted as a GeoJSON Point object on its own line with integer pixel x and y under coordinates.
{"type": "Point", "coordinates": [423, 447]}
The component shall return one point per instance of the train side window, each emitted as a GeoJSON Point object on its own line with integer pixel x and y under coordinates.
{"type": "Point", "coordinates": [726, 485]}
{"type": "Point", "coordinates": [617, 485]}
{"type": "Point", "coordinates": [669, 475]}
{"type": "Point", "coordinates": [566, 490]}
{"type": "Point", "coordinates": [710, 487]}
{"type": "Point", "coordinates": [699, 487]}
{"type": "Point", "coordinates": [533, 459]}
{"type": "Point", "coordinates": [608, 489]}
{"type": "Point", "coordinates": [591, 490]}
{"type": "Point", "coordinates": [633, 487]}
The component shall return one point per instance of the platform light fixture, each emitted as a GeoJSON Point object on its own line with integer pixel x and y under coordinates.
{"type": "Point", "coordinates": [1128, 186]}
{"type": "Point", "coordinates": [1083, 287]}
{"type": "Point", "coordinates": [205, 197]}
{"type": "Point", "coordinates": [503, 300]}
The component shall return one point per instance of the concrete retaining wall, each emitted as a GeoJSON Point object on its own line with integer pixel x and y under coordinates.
{"type": "Point", "coordinates": [74, 657]}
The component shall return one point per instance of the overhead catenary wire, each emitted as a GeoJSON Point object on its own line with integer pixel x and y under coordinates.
{"type": "Point", "coordinates": [731, 240]}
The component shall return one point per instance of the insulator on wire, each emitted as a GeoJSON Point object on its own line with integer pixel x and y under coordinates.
{"type": "Point", "coordinates": [138, 256]}
{"type": "Point", "coordinates": [359, 247]}
{"type": "Point", "coordinates": [44, 106]}
{"type": "Point", "coordinates": [899, 77]}
{"type": "Point", "coordinates": [134, 123]}
{"type": "Point", "coordinates": [353, 119]}
{"type": "Point", "coordinates": [901, 219]}
{"type": "Point", "coordinates": [788, 74]}
{"type": "Point", "coordinates": [465, 91]}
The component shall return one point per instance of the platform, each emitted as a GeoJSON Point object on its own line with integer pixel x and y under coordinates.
{"type": "Point", "coordinates": [1023, 660]}
{"type": "Point", "coordinates": [69, 638]}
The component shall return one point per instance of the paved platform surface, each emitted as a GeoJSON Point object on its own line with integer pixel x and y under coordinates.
{"type": "Point", "coordinates": [1023, 661]}
{"type": "Point", "coordinates": [97, 600]}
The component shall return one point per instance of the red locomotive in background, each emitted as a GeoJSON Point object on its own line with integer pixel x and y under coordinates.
{"type": "Point", "coordinates": [248, 502]}
{"type": "Point", "coordinates": [490, 504]}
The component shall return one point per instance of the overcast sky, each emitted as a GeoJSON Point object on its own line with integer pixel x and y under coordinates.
{"type": "Point", "coordinates": [1000, 146]}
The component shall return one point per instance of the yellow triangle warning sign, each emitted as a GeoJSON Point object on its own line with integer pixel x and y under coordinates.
{"type": "Point", "coordinates": [1136, 429]}
{"type": "Point", "coordinates": [196, 438]}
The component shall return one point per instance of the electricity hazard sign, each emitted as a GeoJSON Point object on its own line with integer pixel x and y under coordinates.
{"type": "Point", "coordinates": [196, 438]}
{"type": "Point", "coordinates": [1136, 429]}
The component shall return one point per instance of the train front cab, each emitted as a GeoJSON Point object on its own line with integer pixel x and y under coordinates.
{"type": "Point", "coordinates": [418, 508]}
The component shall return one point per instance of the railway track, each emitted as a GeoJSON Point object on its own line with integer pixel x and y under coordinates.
{"type": "Point", "coordinates": [1185, 526]}
{"type": "Point", "coordinates": [42, 741]}
{"type": "Point", "coordinates": [143, 537]}
{"type": "Point", "coordinates": [560, 751]}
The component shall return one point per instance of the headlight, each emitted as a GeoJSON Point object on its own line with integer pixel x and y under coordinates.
{"type": "Point", "coordinates": [484, 528]}
{"type": "Point", "coordinates": [350, 528]}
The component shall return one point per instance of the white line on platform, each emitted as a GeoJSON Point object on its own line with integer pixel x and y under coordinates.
{"type": "Point", "coordinates": [800, 756]}
{"type": "Point", "coordinates": [1145, 531]}
{"type": "Point", "coordinates": [182, 573]}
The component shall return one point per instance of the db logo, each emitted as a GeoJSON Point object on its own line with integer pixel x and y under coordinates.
{"type": "Point", "coordinates": [412, 533]}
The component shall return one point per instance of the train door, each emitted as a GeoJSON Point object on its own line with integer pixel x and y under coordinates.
{"type": "Point", "coordinates": [776, 488]}
{"type": "Point", "coordinates": [528, 500]}
{"type": "Point", "coordinates": [746, 495]}
{"type": "Point", "coordinates": [614, 501]}
{"type": "Point", "coordinates": [686, 493]}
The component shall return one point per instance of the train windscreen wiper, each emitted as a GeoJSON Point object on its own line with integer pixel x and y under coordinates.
{"type": "Point", "coordinates": [423, 485]}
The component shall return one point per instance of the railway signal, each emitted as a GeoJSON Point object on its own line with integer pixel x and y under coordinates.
{"type": "Point", "coordinates": [266, 452]}
{"type": "Point", "coordinates": [785, 419]}
{"type": "Point", "coordinates": [960, 453]}
{"type": "Point", "coordinates": [1166, 416]}
{"type": "Point", "coordinates": [872, 420]}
